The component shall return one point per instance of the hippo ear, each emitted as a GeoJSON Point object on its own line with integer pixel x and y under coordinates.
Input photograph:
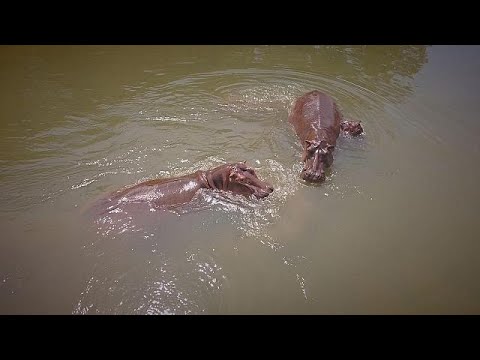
{"type": "Point", "coordinates": [309, 144]}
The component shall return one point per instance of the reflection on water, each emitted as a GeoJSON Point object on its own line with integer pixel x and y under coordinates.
{"type": "Point", "coordinates": [81, 121]}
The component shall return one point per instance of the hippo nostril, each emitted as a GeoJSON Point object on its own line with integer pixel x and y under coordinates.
{"type": "Point", "coordinates": [270, 189]}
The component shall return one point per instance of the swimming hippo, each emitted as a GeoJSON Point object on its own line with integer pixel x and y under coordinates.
{"type": "Point", "coordinates": [317, 122]}
{"type": "Point", "coordinates": [237, 178]}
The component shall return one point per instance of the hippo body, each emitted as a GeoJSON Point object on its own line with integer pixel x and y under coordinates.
{"type": "Point", "coordinates": [315, 117]}
{"type": "Point", "coordinates": [237, 178]}
{"type": "Point", "coordinates": [318, 122]}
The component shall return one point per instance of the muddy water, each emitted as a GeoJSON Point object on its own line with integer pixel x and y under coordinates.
{"type": "Point", "coordinates": [394, 229]}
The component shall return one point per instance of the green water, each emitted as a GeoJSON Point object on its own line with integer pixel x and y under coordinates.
{"type": "Point", "coordinates": [393, 230]}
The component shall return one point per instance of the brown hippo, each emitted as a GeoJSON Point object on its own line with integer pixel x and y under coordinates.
{"type": "Point", "coordinates": [237, 178]}
{"type": "Point", "coordinates": [317, 122]}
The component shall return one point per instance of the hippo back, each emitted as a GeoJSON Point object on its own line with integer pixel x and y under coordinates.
{"type": "Point", "coordinates": [315, 116]}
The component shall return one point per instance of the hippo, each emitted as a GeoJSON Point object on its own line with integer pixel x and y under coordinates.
{"type": "Point", "coordinates": [318, 122]}
{"type": "Point", "coordinates": [236, 178]}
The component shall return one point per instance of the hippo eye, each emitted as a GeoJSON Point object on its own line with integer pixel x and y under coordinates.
{"type": "Point", "coordinates": [244, 180]}
{"type": "Point", "coordinates": [238, 178]}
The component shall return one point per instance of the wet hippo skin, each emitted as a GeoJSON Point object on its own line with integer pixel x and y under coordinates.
{"type": "Point", "coordinates": [237, 178]}
{"type": "Point", "coordinates": [318, 122]}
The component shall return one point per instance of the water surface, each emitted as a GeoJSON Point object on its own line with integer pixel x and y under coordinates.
{"type": "Point", "coordinates": [393, 230]}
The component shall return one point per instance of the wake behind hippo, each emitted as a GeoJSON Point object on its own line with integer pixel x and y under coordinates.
{"type": "Point", "coordinates": [236, 178]}
{"type": "Point", "coordinates": [318, 122]}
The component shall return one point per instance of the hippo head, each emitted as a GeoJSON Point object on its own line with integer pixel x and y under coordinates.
{"type": "Point", "coordinates": [244, 181]}
{"type": "Point", "coordinates": [239, 179]}
{"type": "Point", "coordinates": [317, 156]}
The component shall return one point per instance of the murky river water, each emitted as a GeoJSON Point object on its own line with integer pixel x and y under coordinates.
{"type": "Point", "coordinates": [393, 230]}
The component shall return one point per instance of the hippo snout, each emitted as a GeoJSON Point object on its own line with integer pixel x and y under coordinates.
{"type": "Point", "coordinates": [312, 176]}
{"type": "Point", "coordinates": [264, 192]}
